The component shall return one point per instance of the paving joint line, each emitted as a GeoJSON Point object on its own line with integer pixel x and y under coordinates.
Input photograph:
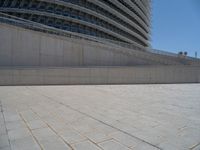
{"type": "Point", "coordinates": [129, 147]}
{"type": "Point", "coordinates": [106, 140]}
{"type": "Point", "coordinates": [53, 130]}
{"type": "Point", "coordinates": [63, 138]}
{"type": "Point", "coordinates": [1, 107]}
{"type": "Point", "coordinates": [68, 106]}
{"type": "Point", "coordinates": [95, 144]}
{"type": "Point", "coordinates": [193, 147]}
{"type": "Point", "coordinates": [31, 132]}
{"type": "Point", "coordinates": [111, 126]}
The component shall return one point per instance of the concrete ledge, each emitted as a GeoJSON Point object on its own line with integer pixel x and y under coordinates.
{"type": "Point", "coordinates": [99, 75]}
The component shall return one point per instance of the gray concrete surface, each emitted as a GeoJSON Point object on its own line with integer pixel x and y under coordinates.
{"type": "Point", "coordinates": [23, 47]}
{"type": "Point", "coordinates": [117, 117]}
{"type": "Point", "coordinates": [99, 75]}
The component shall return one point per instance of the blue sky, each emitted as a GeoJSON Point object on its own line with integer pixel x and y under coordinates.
{"type": "Point", "coordinates": [176, 25]}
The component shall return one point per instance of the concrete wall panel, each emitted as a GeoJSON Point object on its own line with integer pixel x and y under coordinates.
{"type": "Point", "coordinates": [99, 75]}
{"type": "Point", "coordinates": [5, 46]}
{"type": "Point", "coordinates": [22, 47]}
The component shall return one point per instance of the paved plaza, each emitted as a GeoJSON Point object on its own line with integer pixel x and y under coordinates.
{"type": "Point", "coordinates": [104, 117]}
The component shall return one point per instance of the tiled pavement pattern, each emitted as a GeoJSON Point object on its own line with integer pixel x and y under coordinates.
{"type": "Point", "coordinates": [117, 117]}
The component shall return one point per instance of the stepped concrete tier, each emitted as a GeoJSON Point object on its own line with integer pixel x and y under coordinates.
{"type": "Point", "coordinates": [32, 53]}
{"type": "Point", "coordinates": [119, 20]}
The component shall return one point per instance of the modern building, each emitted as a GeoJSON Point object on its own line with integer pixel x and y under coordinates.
{"type": "Point", "coordinates": [120, 20]}
{"type": "Point", "coordinates": [85, 42]}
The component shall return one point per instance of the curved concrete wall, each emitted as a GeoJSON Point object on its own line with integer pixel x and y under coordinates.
{"type": "Point", "coordinates": [126, 21]}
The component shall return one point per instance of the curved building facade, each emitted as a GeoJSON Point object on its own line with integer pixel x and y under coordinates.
{"type": "Point", "coordinates": [120, 20]}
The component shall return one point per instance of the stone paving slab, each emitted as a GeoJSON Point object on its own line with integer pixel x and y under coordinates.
{"type": "Point", "coordinates": [111, 144]}
{"type": "Point", "coordinates": [4, 141]}
{"type": "Point", "coordinates": [26, 143]}
{"type": "Point", "coordinates": [110, 117]}
{"type": "Point", "coordinates": [86, 145]}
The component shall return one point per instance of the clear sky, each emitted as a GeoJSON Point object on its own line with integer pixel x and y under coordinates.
{"type": "Point", "coordinates": [176, 25]}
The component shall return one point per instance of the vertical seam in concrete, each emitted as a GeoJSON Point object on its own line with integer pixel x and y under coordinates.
{"type": "Point", "coordinates": [12, 43]}
{"type": "Point", "coordinates": [40, 50]}
{"type": "Point", "coordinates": [82, 50]}
{"type": "Point", "coordinates": [63, 52]}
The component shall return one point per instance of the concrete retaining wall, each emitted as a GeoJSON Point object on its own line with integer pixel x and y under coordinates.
{"type": "Point", "coordinates": [23, 47]}
{"type": "Point", "coordinates": [99, 75]}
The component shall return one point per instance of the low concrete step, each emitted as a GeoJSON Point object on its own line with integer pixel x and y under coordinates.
{"type": "Point", "coordinates": [99, 75]}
